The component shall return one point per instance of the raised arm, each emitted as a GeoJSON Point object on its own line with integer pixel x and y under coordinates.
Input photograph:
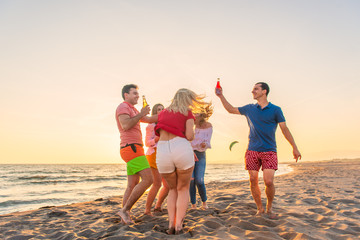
{"type": "Point", "coordinates": [287, 134]}
{"type": "Point", "coordinates": [226, 104]}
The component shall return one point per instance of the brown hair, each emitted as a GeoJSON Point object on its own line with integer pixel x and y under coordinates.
{"type": "Point", "coordinates": [154, 109]}
{"type": "Point", "coordinates": [126, 89]}
{"type": "Point", "coordinates": [264, 86]}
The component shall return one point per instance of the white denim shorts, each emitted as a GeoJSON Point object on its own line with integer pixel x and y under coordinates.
{"type": "Point", "coordinates": [176, 153]}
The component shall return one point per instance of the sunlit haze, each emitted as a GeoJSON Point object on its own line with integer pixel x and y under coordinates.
{"type": "Point", "coordinates": [63, 65]}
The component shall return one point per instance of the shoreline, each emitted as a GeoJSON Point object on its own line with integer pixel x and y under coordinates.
{"type": "Point", "coordinates": [317, 200]}
{"type": "Point", "coordinates": [29, 187]}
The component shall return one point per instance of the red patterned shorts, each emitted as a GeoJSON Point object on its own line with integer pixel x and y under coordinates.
{"type": "Point", "coordinates": [266, 160]}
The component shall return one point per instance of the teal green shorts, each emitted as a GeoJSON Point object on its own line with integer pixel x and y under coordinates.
{"type": "Point", "coordinates": [136, 165]}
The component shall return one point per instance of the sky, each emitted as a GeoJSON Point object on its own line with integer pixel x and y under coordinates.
{"type": "Point", "coordinates": [63, 65]}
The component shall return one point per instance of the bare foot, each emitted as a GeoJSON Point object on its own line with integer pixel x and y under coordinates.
{"type": "Point", "coordinates": [148, 213]}
{"type": "Point", "coordinates": [171, 231]}
{"type": "Point", "coordinates": [125, 217]}
{"type": "Point", "coordinates": [259, 213]}
{"type": "Point", "coordinates": [204, 206]}
{"type": "Point", "coordinates": [193, 206]}
{"type": "Point", "coordinates": [180, 231]}
{"type": "Point", "coordinates": [157, 209]}
{"type": "Point", "coordinates": [272, 215]}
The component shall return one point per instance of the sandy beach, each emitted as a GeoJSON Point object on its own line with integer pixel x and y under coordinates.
{"type": "Point", "coordinates": [318, 200]}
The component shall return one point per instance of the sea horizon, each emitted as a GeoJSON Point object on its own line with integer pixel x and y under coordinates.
{"type": "Point", "coordinates": [31, 186]}
{"type": "Point", "coordinates": [213, 163]}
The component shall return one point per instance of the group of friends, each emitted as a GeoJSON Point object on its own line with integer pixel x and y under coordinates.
{"type": "Point", "coordinates": [177, 138]}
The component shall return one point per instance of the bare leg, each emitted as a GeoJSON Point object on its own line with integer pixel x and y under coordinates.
{"type": "Point", "coordinates": [171, 179]}
{"type": "Point", "coordinates": [137, 192]}
{"type": "Point", "coordinates": [153, 190]}
{"type": "Point", "coordinates": [183, 185]}
{"type": "Point", "coordinates": [255, 190]}
{"type": "Point", "coordinates": [269, 188]}
{"type": "Point", "coordinates": [133, 180]}
{"type": "Point", "coordinates": [162, 195]}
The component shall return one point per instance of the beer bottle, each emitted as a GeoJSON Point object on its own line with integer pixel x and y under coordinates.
{"type": "Point", "coordinates": [218, 87]}
{"type": "Point", "coordinates": [144, 101]}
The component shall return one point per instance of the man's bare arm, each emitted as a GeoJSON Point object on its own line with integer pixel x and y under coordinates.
{"type": "Point", "coordinates": [128, 122]}
{"type": "Point", "coordinates": [226, 104]}
{"type": "Point", "coordinates": [287, 134]}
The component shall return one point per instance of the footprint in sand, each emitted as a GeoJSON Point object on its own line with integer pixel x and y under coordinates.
{"type": "Point", "coordinates": [326, 198]}
{"type": "Point", "coordinates": [265, 235]}
{"type": "Point", "coordinates": [263, 221]}
{"type": "Point", "coordinates": [86, 233]}
{"type": "Point", "coordinates": [289, 200]}
{"type": "Point", "coordinates": [310, 191]}
{"type": "Point", "coordinates": [236, 204]}
{"type": "Point", "coordinates": [344, 201]}
{"type": "Point", "coordinates": [356, 229]}
{"type": "Point", "coordinates": [248, 226]}
{"type": "Point", "coordinates": [288, 235]}
{"type": "Point", "coordinates": [212, 224]}
{"type": "Point", "coordinates": [57, 214]}
{"type": "Point", "coordinates": [348, 201]}
{"type": "Point", "coordinates": [224, 198]}
{"type": "Point", "coordinates": [91, 212]}
{"type": "Point", "coordinates": [236, 231]}
{"type": "Point", "coordinates": [311, 201]}
{"type": "Point", "coordinates": [350, 214]}
{"type": "Point", "coordinates": [341, 231]}
{"type": "Point", "coordinates": [232, 221]}
{"type": "Point", "coordinates": [317, 218]}
{"type": "Point", "coordinates": [57, 235]}
{"type": "Point", "coordinates": [113, 219]}
{"type": "Point", "coordinates": [318, 210]}
{"type": "Point", "coordinates": [295, 214]}
{"type": "Point", "coordinates": [109, 202]}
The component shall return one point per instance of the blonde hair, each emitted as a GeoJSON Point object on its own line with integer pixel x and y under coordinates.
{"type": "Point", "coordinates": [206, 112]}
{"type": "Point", "coordinates": [185, 100]}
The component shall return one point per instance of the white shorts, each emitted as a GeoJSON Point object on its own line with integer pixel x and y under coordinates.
{"type": "Point", "coordinates": [176, 153]}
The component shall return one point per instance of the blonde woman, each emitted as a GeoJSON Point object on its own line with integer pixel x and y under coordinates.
{"type": "Point", "coordinates": [151, 141]}
{"type": "Point", "coordinates": [175, 156]}
{"type": "Point", "coordinates": [201, 142]}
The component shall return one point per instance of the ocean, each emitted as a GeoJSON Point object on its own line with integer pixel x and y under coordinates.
{"type": "Point", "coordinates": [27, 187]}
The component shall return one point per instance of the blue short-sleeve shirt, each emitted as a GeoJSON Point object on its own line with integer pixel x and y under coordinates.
{"type": "Point", "coordinates": [262, 124]}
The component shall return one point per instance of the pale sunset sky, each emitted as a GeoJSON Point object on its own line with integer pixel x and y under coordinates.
{"type": "Point", "coordinates": [63, 65]}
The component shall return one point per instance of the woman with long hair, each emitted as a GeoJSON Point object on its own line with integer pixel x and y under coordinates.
{"type": "Point", "coordinates": [201, 142]}
{"type": "Point", "coordinates": [151, 142]}
{"type": "Point", "coordinates": [175, 156]}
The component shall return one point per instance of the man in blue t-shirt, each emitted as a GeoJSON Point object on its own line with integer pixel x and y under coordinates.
{"type": "Point", "coordinates": [263, 118]}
